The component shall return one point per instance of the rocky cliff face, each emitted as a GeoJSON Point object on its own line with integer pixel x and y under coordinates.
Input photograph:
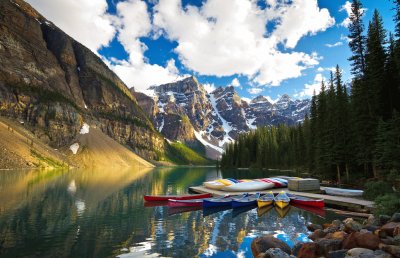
{"type": "Point", "coordinates": [186, 112]}
{"type": "Point", "coordinates": [53, 84]}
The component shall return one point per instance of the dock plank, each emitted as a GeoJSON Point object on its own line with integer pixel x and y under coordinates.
{"type": "Point", "coordinates": [342, 201]}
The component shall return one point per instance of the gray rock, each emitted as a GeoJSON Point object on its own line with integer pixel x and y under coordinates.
{"type": "Point", "coordinates": [262, 244]}
{"type": "Point", "coordinates": [337, 254]}
{"type": "Point", "coordinates": [359, 253]}
{"type": "Point", "coordinates": [327, 245]}
{"type": "Point", "coordinates": [296, 248]}
{"type": "Point", "coordinates": [395, 217]}
{"type": "Point", "coordinates": [383, 219]}
{"type": "Point", "coordinates": [312, 227]}
{"type": "Point", "coordinates": [351, 226]}
{"type": "Point", "coordinates": [381, 254]}
{"type": "Point", "coordinates": [275, 253]}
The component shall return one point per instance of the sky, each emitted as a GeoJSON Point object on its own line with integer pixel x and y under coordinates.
{"type": "Point", "coordinates": [262, 47]}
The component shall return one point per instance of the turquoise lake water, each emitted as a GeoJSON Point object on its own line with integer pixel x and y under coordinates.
{"type": "Point", "coordinates": [102, 214]}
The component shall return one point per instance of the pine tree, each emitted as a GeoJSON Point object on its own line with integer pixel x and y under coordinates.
{"type": "Point", "coordinates": [391, 94]}
{"type": "Point", "coordinates": [357, 40]}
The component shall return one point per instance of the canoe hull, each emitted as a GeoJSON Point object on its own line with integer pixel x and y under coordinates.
{"type": "Point", "coordinates": [152, 198]}
{"type": "Point", "coordinates": [311, 203]}
{"type": "Point", "coordinates": [185, 203]}
{"type": "Point", "coordinates": [317, 203]}
{"type": "Point", "coordinates": [248, 187]}
{"type": "Point", "coordinates": [237, 204]}
{"type": "Point", "coordinates": [216, 203]}
{"type": "Point", "coordinates": [261, 203]}
{"type": "Point", "coordinates": [281, 204]}
{"type": "Point", "coordinates": [343, 192]}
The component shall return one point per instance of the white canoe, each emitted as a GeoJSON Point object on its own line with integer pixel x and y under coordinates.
{"type": "Point", "coordinates": [343, 192]}
{"type": "Point", "coordinates": [218, 184]}
{"type": "Point", "coordinates": [248, 186]}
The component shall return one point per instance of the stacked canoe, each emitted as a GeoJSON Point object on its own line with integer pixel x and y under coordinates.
{"type": "Point", "coordinates": [246, 185]}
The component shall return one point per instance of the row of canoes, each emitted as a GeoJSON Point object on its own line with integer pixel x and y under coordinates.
{"type": "Point", "coordinates": [281, 200]}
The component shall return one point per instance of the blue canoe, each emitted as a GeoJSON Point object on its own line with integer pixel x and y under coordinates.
{"type": "Point", "coordinates": [245, 201]}
{"type": "Point", "coordinates": [218, 202]}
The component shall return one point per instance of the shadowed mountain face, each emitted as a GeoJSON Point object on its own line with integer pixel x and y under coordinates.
{"type": "Point", "coordinates": [184, 111]}
{"type": "Point", "coordinates": [54, 84]}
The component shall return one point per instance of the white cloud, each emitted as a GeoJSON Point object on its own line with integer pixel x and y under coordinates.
{"type": "Point", "coordinates": [323, 69]}
{"type": "Point", "coordinates": [85, 20]}
{"type": "Point", "coordinates": [209, 87]}
{"type": "Point", "coordinates": [235, 82]}
{"type": "Point", "coordinates": [134, 22]}
{"type": "Point", "coordinates": [225, 39]}
{"type": "Point", "coordinates": [337, 44]}
{"type": "Point", "coordinates": [309, 89]}
{"type": "Point", "coordinates": [254, 91]}
{"type": "Point", "coordinates": [301, 18]}
{"type": "Point", "coordinates": [347, 8]}
{"type": "Point", "coordinates": [345, 38]}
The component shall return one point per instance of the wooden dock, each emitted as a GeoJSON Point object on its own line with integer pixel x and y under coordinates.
{"type": "Point", "coordinates": [330, 200]}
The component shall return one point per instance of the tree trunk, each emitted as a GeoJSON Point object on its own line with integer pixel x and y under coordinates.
{"type": "Point", "coordinates": [375, 170]}
{"type": "Point", "coordinates": [347, 172]}
{"type": "Point", "coordinates": [338, 173]}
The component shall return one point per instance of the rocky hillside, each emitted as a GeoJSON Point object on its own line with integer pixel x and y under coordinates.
{"type": "Point", "coordinates": [184, 111]}
{"type": "Point", "coordinates": [54, 85]}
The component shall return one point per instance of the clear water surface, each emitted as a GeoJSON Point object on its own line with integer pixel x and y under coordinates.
{"type": "Point", "coordinates": [102, 214]}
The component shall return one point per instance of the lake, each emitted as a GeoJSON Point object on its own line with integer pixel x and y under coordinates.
{"type": "Point", "coordinates": [102, 214]}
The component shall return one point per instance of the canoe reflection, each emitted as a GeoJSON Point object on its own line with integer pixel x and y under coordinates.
{"type": "Point", "coordinates": [282, 212]}
{"type": "Point", "coordinates": [263, 210]}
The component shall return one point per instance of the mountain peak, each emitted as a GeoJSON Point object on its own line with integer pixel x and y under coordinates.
{"type": "Point", "coordinates": [259, 99]}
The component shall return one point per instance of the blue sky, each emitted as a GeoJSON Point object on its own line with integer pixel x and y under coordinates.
{"type": "Point", "coordinates": [271, 48]}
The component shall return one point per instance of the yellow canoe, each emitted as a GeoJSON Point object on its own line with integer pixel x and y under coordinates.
{"type": "Point", "coordinates": [265, 200]}
{"type": "Point", "coordinates": [281, 204]}
{"type": "Point", "coordinates": [282, 200]}
{"type": "Point", "coordinates": [262, 203]}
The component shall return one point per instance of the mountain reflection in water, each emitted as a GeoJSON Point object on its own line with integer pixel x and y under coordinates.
{"type": "Point", "coordinates": [101, 214]}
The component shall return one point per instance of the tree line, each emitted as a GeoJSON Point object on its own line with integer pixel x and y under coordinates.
{"type": "Point", "coordinates": [351, 130]}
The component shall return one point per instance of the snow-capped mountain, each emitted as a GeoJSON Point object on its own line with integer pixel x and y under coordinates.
{"type": "Point", "coordinates": [184, 111]}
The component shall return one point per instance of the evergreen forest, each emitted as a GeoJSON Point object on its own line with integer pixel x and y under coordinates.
{"type": "Point", "coordinates": [353, 129]}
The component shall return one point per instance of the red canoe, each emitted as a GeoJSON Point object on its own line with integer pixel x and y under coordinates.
{"type": "Point", "coordinates": [152, 198]}
{"type": "Point", "coordinates": [318, 203]}
{"type": "Point", "coordinates": [185, 203]}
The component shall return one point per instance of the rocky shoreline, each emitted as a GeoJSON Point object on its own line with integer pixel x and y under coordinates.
{"type": "Point", "coordinates": [374, 237]}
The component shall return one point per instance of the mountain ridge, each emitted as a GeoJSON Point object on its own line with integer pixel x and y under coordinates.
{"type": "Point", "coordinates": [54, 85]}
{"type": "Point", "coordinates": [218, 117]}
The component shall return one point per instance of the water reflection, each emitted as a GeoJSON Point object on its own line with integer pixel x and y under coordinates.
{"type": "Point", "coordinates": [101, 214]}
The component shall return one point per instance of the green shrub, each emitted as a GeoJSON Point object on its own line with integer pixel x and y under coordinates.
{"type": "Point", "coordinates": [375, 189]}
{"type": "Point", "coordinates": [387, 204]}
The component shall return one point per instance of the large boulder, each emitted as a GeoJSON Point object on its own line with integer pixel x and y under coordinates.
{"type": "Point", "coordinates": [351, 226]}
{"type": "Point", "coordinates": [308, 250]}
{"type": "Point", "coordinates": [395, 217]}
{"type": "Point", "coordinates": [327, 245]}
{"type": "Point", "coordinates": [262, 244]}
{"type": "Point", "coordinates": [338, 253]}
{"type": "Point", "coordinates": [363, 240]}
{"type": "Point", "coordinates": [317, 234]}
{"type": "Point", "coordinates": [274, 253]}
{"type": "Point", "coordinates": [383, 219]}
{"type": "Point", "coordinates": [312, 227]}
{"type": "Point", "coordinates": [392, 249]}
{"type": "Point", "coordinates": [341, 235]}
{"type": "Point", "coordinates": [359, 253]}
{"type": "Point", "coordinates": [390, 227]}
